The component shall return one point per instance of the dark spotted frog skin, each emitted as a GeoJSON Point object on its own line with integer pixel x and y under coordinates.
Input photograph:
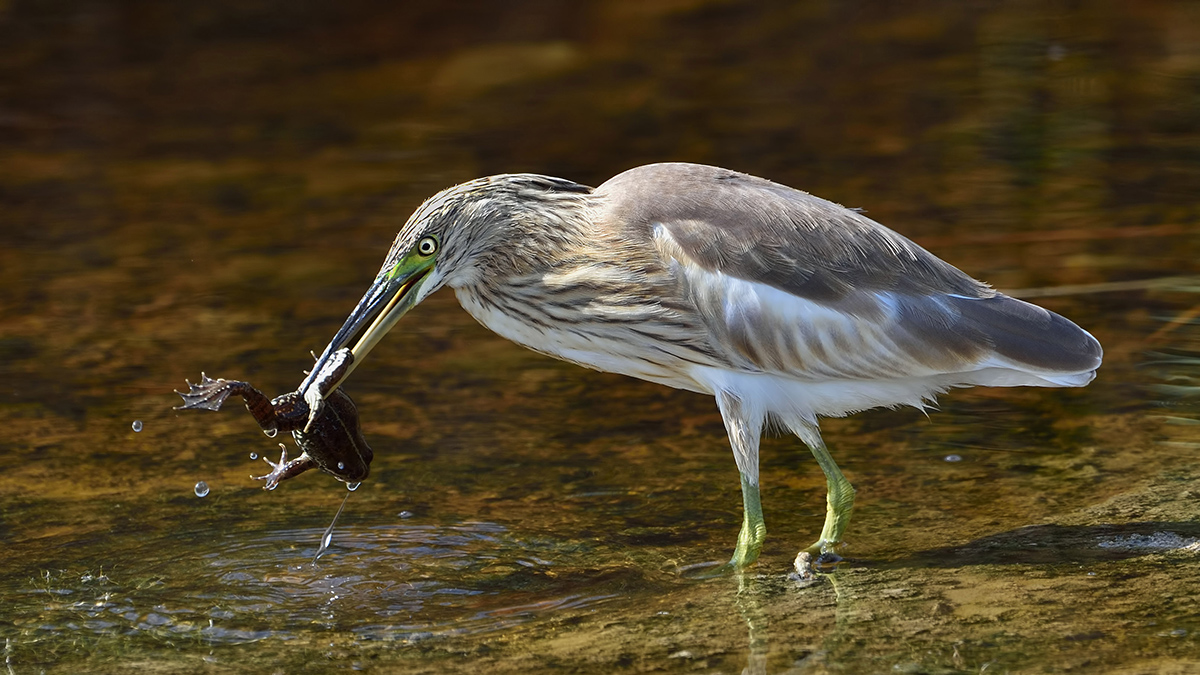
{"type": "Point", "coordinates": [333, 442]}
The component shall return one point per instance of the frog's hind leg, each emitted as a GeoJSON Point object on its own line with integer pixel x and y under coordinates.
{"type": "Point", "coordinates": [209, 394]}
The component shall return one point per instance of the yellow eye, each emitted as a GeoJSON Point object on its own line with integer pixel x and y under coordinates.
{"type": "Point", "coordinates": [427, 246]}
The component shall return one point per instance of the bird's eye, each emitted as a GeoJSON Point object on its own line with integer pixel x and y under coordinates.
{"type": "Point", "coordinates": [427, 246]}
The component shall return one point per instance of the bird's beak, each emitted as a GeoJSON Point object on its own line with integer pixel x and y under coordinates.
{"type": "Point", "coordinates": [393, 293]}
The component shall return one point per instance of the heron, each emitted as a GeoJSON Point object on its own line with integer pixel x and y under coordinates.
{"type": "Point", "coordinates": [783, 306]}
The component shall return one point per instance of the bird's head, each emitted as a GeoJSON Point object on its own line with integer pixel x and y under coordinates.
{"type": "Point", "coordinates": [449, 240]}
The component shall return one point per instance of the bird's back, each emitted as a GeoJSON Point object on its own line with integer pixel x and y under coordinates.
{"type": "Point", "coordinates": [797, 288]}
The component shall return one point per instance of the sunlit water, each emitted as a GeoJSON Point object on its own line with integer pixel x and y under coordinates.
{"type": "Point", "coordinates": [212, 191]}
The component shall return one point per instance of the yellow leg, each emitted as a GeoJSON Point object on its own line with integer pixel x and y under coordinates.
{"type": "Point", "coordinates": [754, 528]}
{"type": "Point", "coordinates": [839, 499]}
{"type": "Point", "coordinates": [744, 429]}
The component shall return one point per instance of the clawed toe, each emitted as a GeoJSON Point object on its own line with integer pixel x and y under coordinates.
{"type": "Point", "coordinates": [807, 566]}
{"type": "Point", "coordinates": [285, 468]}
{"type": "Point", "coordinates": [277, 470]}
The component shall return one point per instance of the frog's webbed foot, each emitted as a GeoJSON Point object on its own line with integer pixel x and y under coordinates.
{"type": "Point", "coordinates": [209, 394]}
{"type": "Point", "coordinates": [284, 469]}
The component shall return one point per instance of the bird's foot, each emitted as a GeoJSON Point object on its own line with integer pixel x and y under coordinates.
{"type": "Point", "coordinates": [744, 555]}
{"type": "Point", "coordinates": [707, 570]}
{"type": "Point", "coordinates": [819, 558]}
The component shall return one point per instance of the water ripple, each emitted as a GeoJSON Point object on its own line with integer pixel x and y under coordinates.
{"type": "Point", "coordinates": [391, 582]}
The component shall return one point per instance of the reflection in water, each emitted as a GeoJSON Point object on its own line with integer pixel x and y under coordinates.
{"type": "Point", "coordinates": [758, 597]}
{"type": "Point", "coordinates": [749, 606]}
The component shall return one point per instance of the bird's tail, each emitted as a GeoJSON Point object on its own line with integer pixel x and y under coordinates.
{"type": "Point", "coordinates": [1030, 340]}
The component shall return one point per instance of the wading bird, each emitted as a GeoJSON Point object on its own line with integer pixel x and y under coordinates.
{"type": "Point", "coordinates": [783, 306]}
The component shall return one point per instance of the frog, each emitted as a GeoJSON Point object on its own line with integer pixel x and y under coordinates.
{"type": "Point", "coordinates": [331, 441]}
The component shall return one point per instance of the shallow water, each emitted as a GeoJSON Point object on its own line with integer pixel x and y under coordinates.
{"type": "Point", "coordinates": [211, 187]}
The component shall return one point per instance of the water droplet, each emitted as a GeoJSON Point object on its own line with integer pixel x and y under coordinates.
{"type": "Point", "coordinates": [201, 489]}
{"type": "Point", "coordinates": [327, 538]}
{"type": "Point", "coordinates": [953, 458]}
{"type": "Point", "coordinates": [405, 515]}
{"type": "Point", "coordinates": [254, 455]}
{"type": "Point", "coordinates": [271, 433]}
{"type": "Point", "coordinates": [352, 486]}
{"type": "Point", "coordinates": [137, 426]}
{"type": "Point", "coordinates": [341, 465]}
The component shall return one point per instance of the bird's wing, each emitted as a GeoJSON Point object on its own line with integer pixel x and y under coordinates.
{"type": "Point", "coordinates": [758, 230]}
{"type": "Point", "coordinates": [792, 284]}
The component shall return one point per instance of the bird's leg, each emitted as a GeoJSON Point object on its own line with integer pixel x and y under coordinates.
{"type": "Point", "coordinates": [839, 500]}
{"type": "Point", "coordinates": [744, 432]}
{"type": "Point", "coordinates": [754, 528]}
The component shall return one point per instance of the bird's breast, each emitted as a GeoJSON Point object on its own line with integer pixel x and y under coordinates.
{"type": "Point", "coordinates": [615, 338]}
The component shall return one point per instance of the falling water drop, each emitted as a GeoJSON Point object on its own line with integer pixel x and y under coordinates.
{"type": "Point", "coordinates": [201, 489]}
{"type": "Point", "coordinates": [254, 455]}
{"type": "Point", "coordinates": [137, 426]}
{"type": "Point", "coordinates": [953, 458]}
{"type": "Point", "coordinates": [352, 486]}
{"type": "Point", "coordinates": [341, 465]}
{"type": "Point", "coordinates": [327, 538]}
{"type": "Point", "coordinates": [405, 515]}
